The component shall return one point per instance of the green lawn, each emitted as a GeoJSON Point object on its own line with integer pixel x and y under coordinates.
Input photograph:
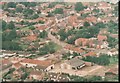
{"type": "Point", "coordinates": [24, 46]}
{"type": "Point", "coordinates": [25, 29]}
{"type": "Point", "coordinates": [113, 60]}
{"type": "Point", "coordinates": [58, 47]}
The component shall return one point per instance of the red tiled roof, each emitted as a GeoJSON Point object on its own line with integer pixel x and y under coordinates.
{"type": "Point", "coordinates": [17, 65]}
{"type": "Point", "coordinates": [72, 19]}
{"type": "Point", "coordinates": [31, 37]}
{"type": "Point", "coordinates": [114, 35]}
{"type": "Point", "coordinates": [81, 40]}
{"type": "Point", "coordinates": [114, 70]}
{"type": "Point", "coordinates": [1, 3]}
{"type": "Point", "coordinates": [101, 37]}
{"type": "Point", "coordinates": [42, 27]}
{"type": "Point", "coordinates": [36, 73]}
{"type": "Point", "coordinates": [75, 49]}
{"type": "Point", "coordinates": [5, 61]}
{"type": "Point", "coordinates": [91, 19]}
{"type": "Point", "coordinates": [90, 54]}
{"type": "Point", "coordinates": [103, 4]}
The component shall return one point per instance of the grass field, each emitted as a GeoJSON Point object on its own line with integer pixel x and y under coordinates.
{"type": "Point", "coordinates": [25, 29]}
{"type": "Point", "coordinates": [113, 60]}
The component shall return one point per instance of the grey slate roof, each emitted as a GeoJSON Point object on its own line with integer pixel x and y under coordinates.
{"type": "Point", "coordinates": [75, 62]}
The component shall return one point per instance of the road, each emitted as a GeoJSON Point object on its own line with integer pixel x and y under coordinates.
{"type": "Point", "coordinates": [56, 40]}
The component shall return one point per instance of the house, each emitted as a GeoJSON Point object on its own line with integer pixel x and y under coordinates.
{"type": "Point", "coordinates": [17, 65]}
{"type": "Point", "coordinates": [18, 73]}
{"type": "Point", "coordinates": [113, 52]}
{"type": "Point", "coordinates": [44, 5]}
{"type": "Point", "coordinates": [41, 27]}
{"type": "Point", "coordinates": [91, 53]}
{"type": "Point", "coordinates": [30, 38]}
{"type": "Point", "coordinates": [60, 18]}
{"type": "Point", "coordinates": [5, 63]}
{"type": "Point", "coordinates": [104, 5]}
{"type": "Point", "coordinates": [103, 31]}
{"type": "Point", "coordinates": [38, 75]}
{"type": "Point", "coordinates": [92, 42]}
{"type": "Point", "coordinates": [73, 21]}
{"type": "Point", "coordinates": [91, 19]}
{"type": "Point", "coordinates": [8, 53]}
{"type": "Point", "coordinates": [72, 49]}
{"type": "Point", "coordinates": [15, 59]}
{"type": "Point", "coordinates": [104, 45]}
{"type": "Point", "coordinates": [114, 36]}
{"type": "Point", "coordinates": [89, 64]}
{"type": "Point", "coordinates": [59, 6]}
{"type": "Point", "coordinates": [38, 19]}
{"type": "Point", "coordinates": [101, 37]}
{"type": "Point", "coordinates": [44, 65]}
{"type": "Point", "coordinates": [111, 73]}
{"type": "Point", "coordinates": [81, 41]}
{"type": "Point", "coordinates": [74, 64]}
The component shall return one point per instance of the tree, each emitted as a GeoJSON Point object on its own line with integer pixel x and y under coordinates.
{"type": "Point", "coordinates": [28, 12]}
{"type": "Point", "coordinates": [41, 22]}
{"type": "Point", "coordinates": [101, 60]}
{"type": "Point", "coordinates": [43, 34]}
{"type": "Point", "coordinates": [79, 6]}
{"type": "Point", "coordinates": [62, 34]}
{"type": "Point", "coordinates": [35, 16]}
{"type": "Point", "coordinates": [78, 78]}
{"type": "Point", "coordinates": [8, 36]}
{"type": "Point", "coordinates": [112, 41]}
{"type": "Point", "coordinates": [95, 79]}
{"type": "Point", "coordinates": [101, 25]}
{"type": "Point", "coordinates": [25, 3]}
{"type": "Point", "coordinates": [48, 48]}
{"type": "Point", "coordinates": [33, 4]}
{"type": "Point", "coordinates": [19, 9]}
{"type": "Point", "coordinates": [3, 24]}
{"type": "Point", "coordinates": [86, 24]}
{"type": "Point", "coordinates": [32, 27]}
{"type": "Point", "coordinates": [11, 5]}
{"type": "Point", "coordinates": [71, 40]}
{"type": "Point", "coordinates": [51, 5]}
{"type": "Point", "coordinates": [10, 25]}
{"type": "Point", "coordinates": [8, 45]}
{"type": "Point", "coordinates": [50, 14]}
{"type": "Point", "coordinates": [96, 10]}
{"type": "Point", "coordinates": [24, 76]}
{"type": "Point", "coordinates": [58, 11]}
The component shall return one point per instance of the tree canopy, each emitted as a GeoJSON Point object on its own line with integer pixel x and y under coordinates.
{"type": "Point", "coordinates": [43, 34]}
{"type": "Point", "coordinates": [101, 60]}
{"type": "Point", "coordinates": [3, 24]}
{"type": "Point", "coordinates": [58, 11]}
{"type": "Point", "coordinates": [86, 24]}
{"type": "Point", "coordinates": [19, 9]}
{"type": "Point", "coordinates": [79, 6]}
{"type": "Point", "coordinates": [62, 34]}
{"type": "Point", "coordinates": [10, 25]}
{"type": "Point", "coordinates": [48, 48]}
